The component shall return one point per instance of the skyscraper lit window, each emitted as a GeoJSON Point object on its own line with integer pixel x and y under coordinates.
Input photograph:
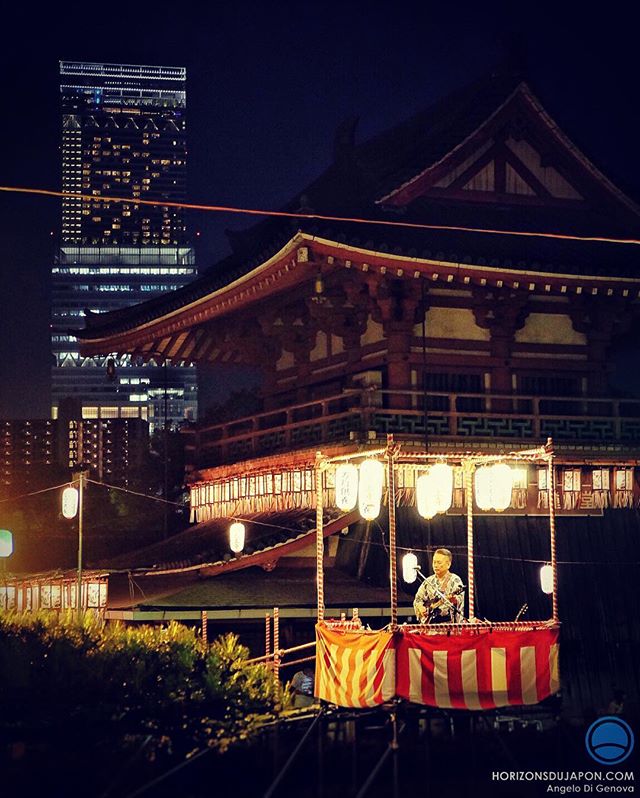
{"type": "Point", "coordinates": [124, 137]}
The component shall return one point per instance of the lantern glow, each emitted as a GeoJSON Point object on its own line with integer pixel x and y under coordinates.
{"type": "Point", "coordinates": [236, 537]}
{"type": "Point", "coordinates": [502, 486]}
{"type": "Point", "coordinates": [370, 492]}
{"type": "Point", "coordinates": [346, 487]}
{"type": "Point", "coordinates": [409, 566]}
{"type": "Point", "coordinates": [493, 487]}
{"type": "Point", "coordinates": [70, 502]}
{"type": "Point", "coordinates": [425, 497]}
{"type": "Point", "coordinates": [434, 490]}
{"type": "Point", "coordinates": [546, 579]}
{"type": "Point", "coordinates": [442, 480]}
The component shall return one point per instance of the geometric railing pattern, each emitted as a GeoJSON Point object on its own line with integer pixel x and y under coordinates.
{"type": "Point", "coordinates": [353, 413]}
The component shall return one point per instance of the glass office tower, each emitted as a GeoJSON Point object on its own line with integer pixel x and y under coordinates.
{"type": "Point", "coordinates": [123, 135]}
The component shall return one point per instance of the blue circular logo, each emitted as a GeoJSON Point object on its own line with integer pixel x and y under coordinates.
{"type": "Point", "coordinates": [609, 740]}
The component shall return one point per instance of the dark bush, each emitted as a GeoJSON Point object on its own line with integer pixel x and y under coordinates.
{"type": "Point", "coordinates": [126, 682]}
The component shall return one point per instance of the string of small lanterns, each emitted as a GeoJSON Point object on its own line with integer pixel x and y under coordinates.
{"type": "Point", "coordinates": [363, 486]}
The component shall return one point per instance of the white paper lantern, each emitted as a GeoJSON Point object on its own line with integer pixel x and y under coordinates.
{"type": "Point", "coordinates": [425, 497]}
{"type": "Point", "coordinates": [501, 486]}
{"type": "Point", "coordinates": [409, 565]}
{"type": "Point", "coordinates": [493, 487]}
{"type": "Point", "coordinates": [370, 489]}
{"type": "Point", "coordinates": [70, 502]}
{"type": "Point", "coordinates": [546, 579]}
{"type": "Point", "coordinates": [346, 487]}
{"type": "Point", "coordinates": [434, 490]}
{"type": "Point", "coordinates": [442, 480]}
{"type": "Point", "coordinates": [236, 537]}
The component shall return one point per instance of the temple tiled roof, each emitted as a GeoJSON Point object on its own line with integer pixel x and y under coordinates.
{"type": "Point", "coordinates": [283, 588]}
{"type": "Point", "coordinates": [362, 174]}
{"type": "Point", "coordinates": [207, 543]}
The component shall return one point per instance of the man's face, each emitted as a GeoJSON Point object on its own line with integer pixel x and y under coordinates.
{"type": "Point", "coordinates": [441, 564]}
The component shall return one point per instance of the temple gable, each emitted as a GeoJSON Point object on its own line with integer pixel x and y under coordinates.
{"type": "Point", "coordinates": [517, 155]}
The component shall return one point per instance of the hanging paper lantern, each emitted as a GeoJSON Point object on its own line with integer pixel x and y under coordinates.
{"type": "Point", "coordinates": [425, 496]}
{"type": "Point", "coordinates": [501, 486]}
{"type": "Point", "coordinates": [493, 487]}
{"type": "Point", "coordinates": [409, 565]}
{"type": "Point", "coordinates": [370, 489]}
{"type": "Point", "coordinates": [70, 502]}
{"type": "Point", "coordinates": [434, 490]}
{"type": "Point", "coordinates": [546, 579]}
{"type": "Point", "coordinates": [346, 487]}
{"type": "Point", "coordinates": [6, 543]}
{"type": "Point", "coordinates": [441, 475]}
{"type": "Point", "coordinates": [236, 537]}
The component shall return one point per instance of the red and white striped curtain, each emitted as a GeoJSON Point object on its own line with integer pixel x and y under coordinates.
{"type": "Point", "coordinates": [355, 669]}
{"type": "Point", "coordinates": [478, 670]}
{"type": "Point", "coordinates": [469, 669]}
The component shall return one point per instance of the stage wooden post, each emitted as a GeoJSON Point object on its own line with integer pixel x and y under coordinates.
{"type": "Point", "coordinates": [319, 538]}
{"type": "Point", "coordinates": [204, 618]}
{"type": "Point", "coordinates": [267, 638]}
{"type": "Point", "coordinates": [551, 488]}
{"type": "Point", "coordinates": [391, 492]}
{"type": "Point", "coordinates": [276, 642]}
{"type": "Point", "coordinates": [469, 469]}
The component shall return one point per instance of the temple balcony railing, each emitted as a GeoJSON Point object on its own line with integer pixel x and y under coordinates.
{"type": "Point", "coordinates": [358, 415]}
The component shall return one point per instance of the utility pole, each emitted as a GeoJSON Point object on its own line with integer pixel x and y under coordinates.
{"type": "Point", "coordinates": [81, 478]}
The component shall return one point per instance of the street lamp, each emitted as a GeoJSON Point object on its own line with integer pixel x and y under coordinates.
{"type": "Point", "coordinates": [72, 505]}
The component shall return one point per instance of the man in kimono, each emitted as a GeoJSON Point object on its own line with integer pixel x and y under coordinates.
{"type": "Point", "coordinates": [429, 606]}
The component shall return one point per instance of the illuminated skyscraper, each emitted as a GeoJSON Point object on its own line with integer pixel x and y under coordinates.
{"type": "Point", "coordinates": [123, 135]}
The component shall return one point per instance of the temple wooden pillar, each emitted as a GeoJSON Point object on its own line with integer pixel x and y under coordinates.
{"type": "Point", "coordinates": [502, 312]}
{"type": "Point", "coordinates": [598, 321]}
{"type": "Point", "coordinates": [396, 310]}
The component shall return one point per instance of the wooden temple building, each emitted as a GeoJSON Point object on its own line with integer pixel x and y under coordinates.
{"type": "Point", "coordinates": [479, 308]}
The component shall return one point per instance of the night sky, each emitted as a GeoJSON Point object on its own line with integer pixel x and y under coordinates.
{"type": "Point", "coordinates": [267, 85]}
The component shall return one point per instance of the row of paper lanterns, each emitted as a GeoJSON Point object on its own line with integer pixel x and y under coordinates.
{"type": "Point", "coordinates": [363, 486]}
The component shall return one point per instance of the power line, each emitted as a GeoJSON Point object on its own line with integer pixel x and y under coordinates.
{"type": "Point", "coordinates": [135, 493]}
{"type": "Point", "coordinates": [462, 549]}
{"type": "Point", "coordinates": [318, 216]}
{"type": "Point", "coordinates": [36, 492]}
